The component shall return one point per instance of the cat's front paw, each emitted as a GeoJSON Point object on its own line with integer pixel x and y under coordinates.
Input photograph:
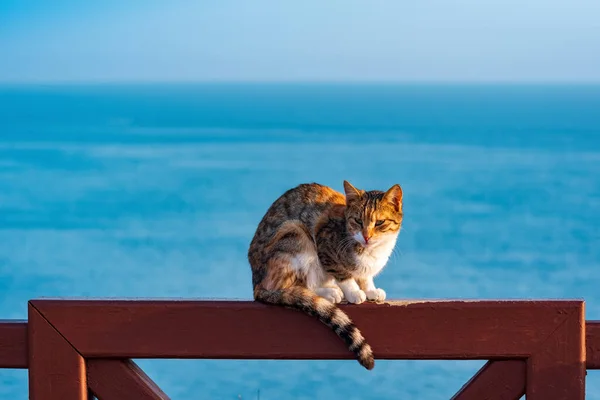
{"type": "Point", "coordinates": [333, 294]}
{"type": "Point", "coordinates": [375, 294]}
{"type": "Point", "coordinates": [356, 297]}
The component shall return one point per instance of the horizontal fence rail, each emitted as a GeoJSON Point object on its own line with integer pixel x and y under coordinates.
{"type": "Point", "coordinates": [78, 348]}
{"type": "Point", "coordinates": [13, 344]}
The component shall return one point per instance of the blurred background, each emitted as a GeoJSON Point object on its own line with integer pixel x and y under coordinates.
{"type": "Point", "coordinates": [142, 141]}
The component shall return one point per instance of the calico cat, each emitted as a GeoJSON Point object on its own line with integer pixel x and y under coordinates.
{"type": "Point", "coordinates": [315, 247]}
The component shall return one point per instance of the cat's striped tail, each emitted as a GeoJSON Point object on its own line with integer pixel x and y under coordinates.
{"type": "Point", "coordinates": [303, 299]}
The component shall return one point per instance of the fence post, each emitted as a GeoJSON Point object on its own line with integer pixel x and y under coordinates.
{"type": "Point", "coordinates": [557, 370]}
{"type": "Point", "coordinates": [56, 369]}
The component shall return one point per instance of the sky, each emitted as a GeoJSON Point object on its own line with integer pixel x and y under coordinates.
{"type": "Point", "coordinates": [308, 40]}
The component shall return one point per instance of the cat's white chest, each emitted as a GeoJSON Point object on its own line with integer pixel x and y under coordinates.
{"type": "Point", "coordinates": [372, 260]}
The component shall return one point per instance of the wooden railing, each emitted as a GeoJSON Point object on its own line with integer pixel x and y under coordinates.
{"type": "Point", "coordinates": [76, 349]}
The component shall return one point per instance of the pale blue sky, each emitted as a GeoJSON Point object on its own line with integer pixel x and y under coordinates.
{"type": "Point", "coordinates": [315, 40]}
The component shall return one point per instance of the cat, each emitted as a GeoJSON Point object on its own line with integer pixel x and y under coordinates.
{"type": "Point", "coordinates": [315, 247]}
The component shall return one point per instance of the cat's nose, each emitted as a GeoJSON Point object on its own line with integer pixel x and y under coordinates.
{"type": "Point", "coordinates": [366, 239]}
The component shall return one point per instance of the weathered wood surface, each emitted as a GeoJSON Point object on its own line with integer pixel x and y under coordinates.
{"type": "Point", "coordinates": [13, 344]}
{"type": "Point", "coordinates": [121, 379]}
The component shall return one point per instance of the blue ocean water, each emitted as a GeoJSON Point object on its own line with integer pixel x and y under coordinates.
{"type": "Point", "coordinates": [155, 191]}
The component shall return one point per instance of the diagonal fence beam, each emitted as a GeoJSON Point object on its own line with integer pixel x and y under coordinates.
{"type": "Point", "coordinates": [121, 379]}
{"type": "Point", "coordinates": [496, 380]}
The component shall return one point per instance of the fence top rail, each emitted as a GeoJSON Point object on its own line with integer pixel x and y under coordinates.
{"type": "Point", "coordinates": [184, 328]}
{"type": "Point", "coordinates": [249, 330]}
{"type": "Point", "coordinates": [229, 300]}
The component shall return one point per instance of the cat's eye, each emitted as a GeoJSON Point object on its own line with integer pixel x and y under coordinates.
{"type": "Point", "coordinates": [358, 221]}
{"type": "Point", "coordinates": [379, 222]}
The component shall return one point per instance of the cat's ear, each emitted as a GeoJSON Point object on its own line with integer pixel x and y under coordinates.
{"type": "Point", "coordinates": [394, 196]}
{"type": "Point", "coordinates": [352, 193]}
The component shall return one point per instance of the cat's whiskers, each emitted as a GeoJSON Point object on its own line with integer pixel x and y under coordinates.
{"type": "Point", "coordinates": [396, 253]}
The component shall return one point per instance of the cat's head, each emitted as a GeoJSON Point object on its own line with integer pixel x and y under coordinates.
{"type": "Point", "coordinates": [373, 216]}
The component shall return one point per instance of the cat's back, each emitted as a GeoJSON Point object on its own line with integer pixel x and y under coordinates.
{"type": "Point", "coordinates": [306, 203]}
{"type": "Point", "coordinates": [306, 198]}
{"type": "Point", "coordinates": [296, 214]}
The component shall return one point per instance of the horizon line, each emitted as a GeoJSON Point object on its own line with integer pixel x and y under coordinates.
{"type": "Point", "coordinates": [299, 82]}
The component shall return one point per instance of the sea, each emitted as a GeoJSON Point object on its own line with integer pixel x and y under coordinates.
{"type": "Point", "coordinates": [154, 190]}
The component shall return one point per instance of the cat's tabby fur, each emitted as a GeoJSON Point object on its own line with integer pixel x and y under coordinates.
{"type": "Point", "coordinates": [314, 247]}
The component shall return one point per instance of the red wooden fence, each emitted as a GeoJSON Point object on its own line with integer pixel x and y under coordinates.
{"type": "Point", "coordinates": [76, 348]}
